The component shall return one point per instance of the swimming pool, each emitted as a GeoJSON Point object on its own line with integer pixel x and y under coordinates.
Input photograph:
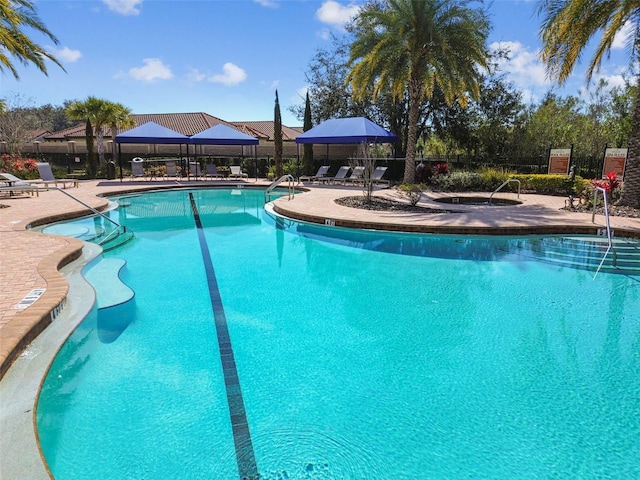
{"type": "Point", "coordinates": [351, 354]}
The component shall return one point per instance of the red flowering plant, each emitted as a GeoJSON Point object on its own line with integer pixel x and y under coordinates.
{"type": "Point", "coordinates": [14, 164]}
{"type": "Point", "coordinates": [609, 183]}
{"type": "Point", "coordinates": [441, 169]}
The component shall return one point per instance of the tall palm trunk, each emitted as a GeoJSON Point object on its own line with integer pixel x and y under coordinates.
{"type": "Point", "coordinates": [100, 144]}
{"type": "Point", "coordinates": [631, 191]}
{"type": "Point", "coordinates": [415, 94]}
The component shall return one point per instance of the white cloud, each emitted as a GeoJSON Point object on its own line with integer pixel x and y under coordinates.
{"type": "Point", "coordinates": [153, 69]}
{"type": "Point", "coordinates": [267, 3]}
{"type": "Point", "coordinates": [124, 7]}
{"type": "Point", "coordinates": [623, 36]}
{"type": "Point", "coordinates": [195, 75]}
{"type": "Point", "coordinates": [231, 75]}
{"type": "Point", "coordinates": [336, 14]}
{"type": "Point", "coordinates": [523, 67]}
{"type": "Point", "coordinates": [65, 54]}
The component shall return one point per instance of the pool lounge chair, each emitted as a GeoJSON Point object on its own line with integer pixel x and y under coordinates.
{"type": "Point", "coordinates": [137, 168]}
{"type": "Point", "coordinates": [321, 173]}
{"type": "Point", "coordinates": [11, 184]}
{"type": "Point", "coordinates": [211, 170]}
{"type": "Point", "coordinates": [171, 169]}
{"type": "Point", "coordinates": [195, 170]}
{"type": "Point", "coordinates": [46, 174]}
{"type": "Point", "coordinates": [357, 176]}
{"type": "Point", "coordinates": [376, 178]}
{"type": "Point", "coordinates": [236, 172]}
{"type": "Point", "coordinates": [339, 176]}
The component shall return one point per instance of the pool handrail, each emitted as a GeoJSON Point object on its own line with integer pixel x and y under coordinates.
{"type": "Point", "coordinates": [608, 226]}
{"type": "Point", "coordinates": [274, 184]}
{"type": "Point", "coordinates": [503, 184]}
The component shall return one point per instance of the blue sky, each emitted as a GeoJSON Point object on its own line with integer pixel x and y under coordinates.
{"type": "Point", "coordinates": [227, 58]}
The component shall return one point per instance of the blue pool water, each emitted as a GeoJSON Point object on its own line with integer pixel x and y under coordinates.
{"type": "Point", "coordinates": [359, 355]}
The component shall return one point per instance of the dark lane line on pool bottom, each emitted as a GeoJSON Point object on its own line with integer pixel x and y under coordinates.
{"type": "Point", "coordinates": [245, 455]}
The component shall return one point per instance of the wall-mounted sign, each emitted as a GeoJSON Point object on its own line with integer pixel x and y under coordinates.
{"type": "Point", "coordinates": [559, 159]}
{"type": "Point", "coordinates": [615, 160]}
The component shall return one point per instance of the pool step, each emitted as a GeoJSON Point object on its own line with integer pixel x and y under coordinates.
{"type": "Point", "coordinates": [587, 253]}
{"type": "Point", "coordinates": [105, 278]}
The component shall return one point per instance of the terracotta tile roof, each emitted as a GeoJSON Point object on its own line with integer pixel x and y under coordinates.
{"type": "Point", "coordinates": [264, 130]}
{"type": "Point", "coordinates": [187, 124]}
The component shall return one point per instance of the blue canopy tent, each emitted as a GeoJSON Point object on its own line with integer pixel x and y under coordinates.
{"type": "Point", "coordinates": [223, 135]}
{"type": "Point", "coordinates": [150, 133]}
{"type": "Point", "coordinates": [346, 130]}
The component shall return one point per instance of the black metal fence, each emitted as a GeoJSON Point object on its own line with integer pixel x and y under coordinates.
{"type": "Point", "coordinates": [586, 167]}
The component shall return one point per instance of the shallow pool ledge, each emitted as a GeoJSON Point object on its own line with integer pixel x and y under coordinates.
{"type": "Point", "coordinates": [20, 455]}
{"type": "Point", "coordinates": [28, 324]}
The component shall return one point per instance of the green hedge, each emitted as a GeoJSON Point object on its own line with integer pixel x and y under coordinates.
{"type": "Point", "coordinates": [488, 181]}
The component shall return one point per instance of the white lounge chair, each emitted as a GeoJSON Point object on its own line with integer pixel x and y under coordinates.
{"type": "Point", "coordinates": [322, 172]}
{"type": "Point", "coordinates": [11, 184]}
{"type": "Point", "coordinates": [211, 170]}
{"type": "Point", "coordinates": [340, 175]}
{"type": "Point", "coordinates": [46, 174]}
{"type": "Point", "coordinates": [236, 172]}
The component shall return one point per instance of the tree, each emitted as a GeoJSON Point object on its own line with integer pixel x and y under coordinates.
{"type": "Point", "coordinates": [277, 138]}
{"type": "Point", "coordinates": [92, 167]}
{"type": "Point", "coordinates": [15, 15]}
{"type": "Point", "coordinates": [307, 155]}
{"type": "Point", "coordinates": [16, 123]}
{"type": "Point", "coordinates": [120, 119]}
{"type": "Point", "coordinates": [102, 113]}
{"type": "Point", "coordinates": [413, 46]}
{"type": "Point", "coordinates": [567, 28]}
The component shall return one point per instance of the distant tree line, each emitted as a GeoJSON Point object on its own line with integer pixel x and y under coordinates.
{"type": "Point", "coordinates": [498, 124]}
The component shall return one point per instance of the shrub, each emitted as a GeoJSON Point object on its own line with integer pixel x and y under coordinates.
{"type": "Point", "coordinates": [458, 182]}
{"type": "Point", "coordinates": [412, 191]}
{"type": "Point", "coordinates": [14, 164]}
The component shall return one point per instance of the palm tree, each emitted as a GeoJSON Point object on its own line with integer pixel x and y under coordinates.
{"type": "Point", "coordinates": [120, 120]}
{"type": "Point", "coordinates": [14, 43]}
{"type": "Point", "coordinates": [101, 113]}
{"type": "Point", "coordinates": [413, 47]}
{"type": "Point", "coordinates": [567, 28]}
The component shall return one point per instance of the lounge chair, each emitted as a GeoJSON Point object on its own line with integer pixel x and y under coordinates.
{"type": "Point", "coordinates": [357, 176]}
{"type": "Point", "coordinates": [46, 174]}
{"type": "Point", "coordinates": [236, 172]}
{"type": "Point", "coordinates": [211, 170]}
{"type": "Point", "coordinates": [195, 170]}
{"type": "Point", "coordinates": [137, 168]}
{"type": "Point", "coordinates": [340, 175]}
{"type": "Point", "coordinates": [171, 169]}
{"type": "Point", "coordinates": [11, 184]}
{"type": "Point", "coordinates": [377, 175]}
{"type": "Point", "coordinates": [322, 172]}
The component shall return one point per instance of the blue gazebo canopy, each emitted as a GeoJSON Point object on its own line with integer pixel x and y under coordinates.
{"type": "Point", "coordinates": [222, 135]}
{"type": "Point", "coordinates": [151, 132]}
{"type": "Point", "coordinates": [347, 130]}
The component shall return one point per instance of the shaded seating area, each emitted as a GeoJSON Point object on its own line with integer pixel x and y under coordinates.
{"type": "Point", "coordinates": [340, 175]}
{"type": "Point", "coordinates": [357, 176]}
{"type": "Point", "coordinates": [378, 173]}
{"type": "Point", "coordinates": [211, 170]}
{"type": "Point", "coordinates": [236, 172]}
{"type": "Point", "coordinates": [137, 168]}
{"type": "Point", "coordinates": [320, 174]}
{"type": "Point", "coordinates": [47, 177]}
